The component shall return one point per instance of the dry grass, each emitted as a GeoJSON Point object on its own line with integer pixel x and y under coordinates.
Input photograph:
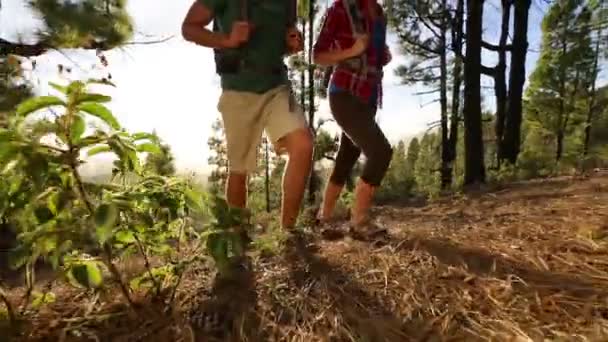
{"type": "Point", "coordinates": [526, 263]}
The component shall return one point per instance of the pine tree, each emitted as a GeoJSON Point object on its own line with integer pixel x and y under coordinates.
{"type": "Point", "coordinates": [473, 139]}
{"type": "Point", "coordinates": [427, 165]}
{"type": "Point", "coordinates": [510, 140]}
{"type": "Point", "coordinates": [161, 163]}
{"type": "Point", "coordinates": [413, 151]}
{"type": "Point", "coordinates": [422, 28]}
{"type": "Point", "coordinates": [562, 72]}
{"type": "Point", "coordinates": [89, 24]}
{"type": "Point", "coordinates": [594, 106]}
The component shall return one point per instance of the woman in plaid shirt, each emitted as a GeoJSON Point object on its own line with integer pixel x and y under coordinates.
{"type": "Point", "coordinates": [354, 96]}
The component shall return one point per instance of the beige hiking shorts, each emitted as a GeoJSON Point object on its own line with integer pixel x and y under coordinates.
{"type": "Point", "coordinates": [247, 115]}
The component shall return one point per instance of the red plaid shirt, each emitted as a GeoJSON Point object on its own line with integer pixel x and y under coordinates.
{"type": "Point", "coordinates": [336, 33]}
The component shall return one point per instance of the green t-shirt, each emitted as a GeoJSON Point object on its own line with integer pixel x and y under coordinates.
{"type": "Point", "coordinates": [266, 46]}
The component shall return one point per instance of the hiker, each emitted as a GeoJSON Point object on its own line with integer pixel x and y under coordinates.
{"type": "Point", "coordinates": [353, 41]}
{"type": "Point", "coordinates": [250, 43]}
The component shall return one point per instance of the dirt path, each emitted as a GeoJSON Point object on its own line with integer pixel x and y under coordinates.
{"type": "Point", "coordinates": [526, 263]}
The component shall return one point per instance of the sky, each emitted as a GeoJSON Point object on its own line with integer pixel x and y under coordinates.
{"type": "Point", "coordinates": [172, 87]}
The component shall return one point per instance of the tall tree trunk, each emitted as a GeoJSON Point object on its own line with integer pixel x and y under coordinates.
{"type": "Point", "coordinates": [592, 94]}
{"type": "Point", "coordinates": [312, 186]}
{"type": "Point", "coordinates": [562, 118]}
{"type": "Point", "coordinates": [457, 38]}
{"type": "Point", "coordinates": [446, 178]}
{"type": "Point", "coordinates": [500, 81]}
{"type": "Point", "coordinates": [473, 140]}
{"type": "Point", "coordinates": [517, 76]}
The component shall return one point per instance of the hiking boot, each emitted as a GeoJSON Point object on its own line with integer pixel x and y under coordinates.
{"type": "Point", "coordinates": [368, 230]}
{"type": "Point", "coordinates": [231, 291]}
{"type": "Point", "coordinates": [331, 229]}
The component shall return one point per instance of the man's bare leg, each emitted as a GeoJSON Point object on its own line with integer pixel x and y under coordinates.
{"type": "Point", "coordinates": [299, 148]}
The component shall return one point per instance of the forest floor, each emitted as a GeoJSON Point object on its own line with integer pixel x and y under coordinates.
{"type": "Point", "coordinates": [528, 262]}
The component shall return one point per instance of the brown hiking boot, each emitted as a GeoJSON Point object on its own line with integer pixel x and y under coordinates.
{"type": "Point", "coordinates": [368, 230]}
{"type": "Point", "coordinates": [331, 229]}
{"type": "Point", "coordinates": [231, 292]}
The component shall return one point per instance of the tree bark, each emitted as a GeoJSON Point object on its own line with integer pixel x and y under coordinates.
{"type": "Point", "coordinates": [473, 140]}
{"type": "Point", "coordinates": [517, 77]}
{"type": "Point", "coordinates": [457, 38]}
{"type": "Point", "coordinates": [592, 95]}
{"type": "Point", "coordinates": [446, 178]}
{"type": "Point", "coordinates": [500, 80]}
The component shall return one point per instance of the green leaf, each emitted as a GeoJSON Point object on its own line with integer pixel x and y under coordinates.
{"type": "Point", "coordinates": [92, 97]}
{"type": "Point", "coordinates": [125, 236]}
{"type": "Point", "coordinates": [193, 200]}
{"type": "Point", "coordinates": [87, 274]}
{"type": "Point", "coordinates": [99, 149]}
{"type": "Point", "coordinates": [148, 147]}
{"type": "Point", "coordinates": [106, 216]}
{"type": "Point", "coordinates": [39, 299]}
{"type": "Point", "coordinates": [52, 202]}
{"type": "Point", "coordinates": [36, 103]}
{"type": "Point", "coordinates": [100, 81]}
{"type": "Point", "coordinates": [60, 88]}
{"type": "Point", "coordinates": [142, 136]}
{"type": "Point", "coordinates": [75, 88]}
{"type": "Point", "coordinates": [101, 112]}
{"type": "Point", "coordinates": [6, 135]}
{"type": "Point", "coordinates": [78, 128]}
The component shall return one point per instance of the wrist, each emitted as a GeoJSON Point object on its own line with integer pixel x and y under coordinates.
{"type": "Point", "coordinates": [224, 41]}
{"type": "Point", "coordinates": [348, 53]}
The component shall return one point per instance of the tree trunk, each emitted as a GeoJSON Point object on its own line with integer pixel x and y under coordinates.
{"type": "Point", "coordinates": [500, 81]}
{"type": "Point", "coordinates": [312, 184]}
{"type": "Point", "coordinates": [446, 179]}
{"type": "Point", "coordinates": [473, 140]}
{"type": "Point", "coordinates": [457, 38]}
{"type": "Point", "coordinates": [592, 95]}
{"type": "Point", "coordinates": [517, 76]}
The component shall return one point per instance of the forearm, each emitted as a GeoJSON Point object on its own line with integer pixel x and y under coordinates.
{"type": "Point", "coordinates": [204, 37]}
{"type": "Point", "coordinates": [328, 58]}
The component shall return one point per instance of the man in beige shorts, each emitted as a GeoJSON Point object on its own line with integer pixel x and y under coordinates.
{"type": "Point", "coordinates": [256, 96]}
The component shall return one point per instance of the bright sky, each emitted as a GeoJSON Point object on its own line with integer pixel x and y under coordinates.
{"type": "Point", "coordinates": [172, 87]}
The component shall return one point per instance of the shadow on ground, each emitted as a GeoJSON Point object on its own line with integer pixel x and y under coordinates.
{"type": "Point", "coordinates": [483, 263]}
{"type": "Point", "coordinates": [363, 316]}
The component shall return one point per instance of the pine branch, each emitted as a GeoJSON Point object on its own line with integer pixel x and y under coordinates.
{"type": "Point", "coordinates": [25, 50]}
{"type": "Point", "coordinates": [428, 92]}
{"type": "Point", "coordinates": [33, 50]}
{"type": "Point", "coordinates": [488, 71]}
{"type": "Point", "coordinates": [496, 48]}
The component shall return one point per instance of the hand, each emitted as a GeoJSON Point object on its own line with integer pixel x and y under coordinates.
{"type": "Point", "coordinates": [239, 34]}
{"type": "Point", "coordinates": [295, 43]}
{"type": "Point", "coordinates": [389, 56]}
{"type": "Point", "coordinates": [360, 45]}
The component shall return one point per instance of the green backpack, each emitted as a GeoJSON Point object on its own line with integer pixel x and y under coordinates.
{"type": "Point", "coordinates": [229, 61]}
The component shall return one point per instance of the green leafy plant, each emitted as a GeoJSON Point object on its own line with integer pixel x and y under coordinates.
{"type": "Point", "coordinates": [82, 228]}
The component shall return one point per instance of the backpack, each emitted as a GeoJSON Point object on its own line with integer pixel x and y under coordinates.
{"type": "Point", "coordinates": [230, 61]}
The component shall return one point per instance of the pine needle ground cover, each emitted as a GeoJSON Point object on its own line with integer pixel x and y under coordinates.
{"type": "Point", "coordinates": [526, 263]}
